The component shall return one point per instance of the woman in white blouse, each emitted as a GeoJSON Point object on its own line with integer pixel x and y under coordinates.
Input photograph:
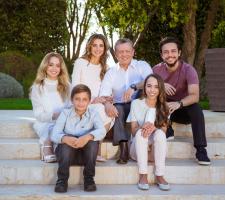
{"type": "Point", "coordinates": [89, 70]}
{"type": "Point", "coordinates": [49, 95]}
{"type": "Point", "coordinates": [149, 119]}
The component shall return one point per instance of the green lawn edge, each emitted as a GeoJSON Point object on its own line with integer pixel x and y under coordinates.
{"type": "Point", "coordinates": [25, 104]}
{"type": "Point", "coordinates": [15, 104]}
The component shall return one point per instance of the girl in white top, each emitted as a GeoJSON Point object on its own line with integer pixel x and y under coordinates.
{"type": "Point", "coordinates": [149, 118]}
{"type": "Point", "coordinates": [49, 95]}
{"type": "Point", "coordinates": [90, 70]}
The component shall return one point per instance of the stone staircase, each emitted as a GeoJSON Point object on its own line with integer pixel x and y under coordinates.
{"type": "Point", "coordinates": [24, 176]}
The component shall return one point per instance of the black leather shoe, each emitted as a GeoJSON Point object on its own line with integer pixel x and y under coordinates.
{"type": "Point", "coordinates": [90, 187]}
{"type": "Point", "coordinates": [61, 187]}
{"type": "Point", "coordinates": [123, 153]}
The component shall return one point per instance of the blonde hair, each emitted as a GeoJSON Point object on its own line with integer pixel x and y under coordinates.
{"type": "Point", "coordinates": [63, 79]}
{"type": "Point", "coordinates": [87, 54]}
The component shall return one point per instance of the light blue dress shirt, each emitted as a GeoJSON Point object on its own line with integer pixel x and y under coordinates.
{"type": "Point", "coordinates": [117, 80]}
{"type": "Point", "coordinates": [70, 123]}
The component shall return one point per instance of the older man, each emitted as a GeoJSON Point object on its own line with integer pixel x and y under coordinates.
{"type": "Point", "coordinates": [122, 82]}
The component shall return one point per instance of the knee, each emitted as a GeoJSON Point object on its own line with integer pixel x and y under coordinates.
{"type": "Point", "coordinates": [92, 148]}
{"type": "Point", "coordinates": [139, 139]}
{"type": "Point", "coordinates": [159, 136]}
{"type": "Point", "coordinates": [64, 153]}
{"type": "Point", "coordinates": [138, 135]}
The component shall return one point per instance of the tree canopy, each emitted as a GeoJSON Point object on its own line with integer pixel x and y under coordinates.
{"type": "Point", "coordinates": [33, 26]}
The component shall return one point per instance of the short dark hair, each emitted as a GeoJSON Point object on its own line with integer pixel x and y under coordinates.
{"type": "Point", "coordinates": [169, 40]}
{"type": "Point", "coordinates": [123, 41]}
{"type": "Point", "coordinates": [79, 89]}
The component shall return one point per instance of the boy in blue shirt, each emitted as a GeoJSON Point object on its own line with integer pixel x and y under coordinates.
{"type": "Point", "coordinates": [77, 132]}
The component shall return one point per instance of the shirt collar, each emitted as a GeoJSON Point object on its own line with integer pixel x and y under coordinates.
{"type": "Point", "coordinates": [132, 64]}
{"type": "Point", "coordinates": [75, 115]}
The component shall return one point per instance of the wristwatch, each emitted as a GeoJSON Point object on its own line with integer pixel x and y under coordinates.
{"type": "Point", "coordinates": [181, 104]}
{"type": "Point", "coordinates": [133, 86]}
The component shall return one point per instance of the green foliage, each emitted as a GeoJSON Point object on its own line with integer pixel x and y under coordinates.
{"type": "Point", "coordinates": [130, 18]}
{"type": "Point", "coordinates": [18, 66]}
{"type": "Point", "coordinates": [15, 104]}
{"type": "Point", "coordinates": [218, 36]}
{"type": "Point", "coordinates": [33, 26]}
{"type": "Point", "coordinates": [204, 104]}
{"type": "Point", "coordinates": [148, 47]}
{"type": "Point", "coordinates": [9, 87]}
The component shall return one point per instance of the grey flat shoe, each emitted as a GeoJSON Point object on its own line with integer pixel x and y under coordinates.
{"type": "Point", "coordinates": [164, 187]}
{"type": "Point", "coordinates": [143, 186]}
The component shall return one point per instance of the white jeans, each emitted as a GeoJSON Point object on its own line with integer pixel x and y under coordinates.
{"type": "Point", "coordinates": [139, 151]}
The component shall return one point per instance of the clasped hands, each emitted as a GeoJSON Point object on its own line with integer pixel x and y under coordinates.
{"type": "Point", "coordinates": [77, 142]}
{"type": "Point", "coordinates": [147, 129]}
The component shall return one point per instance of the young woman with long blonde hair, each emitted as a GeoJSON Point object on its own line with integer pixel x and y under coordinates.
{"type": "Point", "coordinates": [50, 93]}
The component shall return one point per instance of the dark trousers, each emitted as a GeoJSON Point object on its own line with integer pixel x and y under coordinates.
{"type": "Point", "coordinates": [120, 133]}
{"type": "Point", "coordinates": [85, 156]}
{"type": "Point", "coordinates": [192, 114]}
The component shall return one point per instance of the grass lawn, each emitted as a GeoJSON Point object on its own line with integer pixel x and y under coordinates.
{"type": "Point", "coordinates": [25, 104]}
{"type": "Point", "coordinates": [15, 104]}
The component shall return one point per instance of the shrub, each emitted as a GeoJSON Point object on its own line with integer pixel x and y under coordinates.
{"type": "Point", "coordinates": [18, 66]}
{"type": "Point", "coordinates": [218, 36]}
{"type": "Point", "coordinates": [10, 87]}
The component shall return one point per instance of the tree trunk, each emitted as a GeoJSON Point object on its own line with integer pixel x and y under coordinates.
{"type": "Point", "coordinates": [206, 35]}
{"type": "Point", "coordinates": [189, 33]}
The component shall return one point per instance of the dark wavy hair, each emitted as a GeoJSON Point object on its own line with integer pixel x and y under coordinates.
{"type": "Point", "coordinates": [103, 59]}
{"type": "Point", "coordinates": [162, 111]}
{"type": "Point", "coordinates": [167, 40]}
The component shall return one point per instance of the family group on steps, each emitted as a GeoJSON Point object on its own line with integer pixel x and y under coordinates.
{"type": "Point", "coordinates": [72, 118]}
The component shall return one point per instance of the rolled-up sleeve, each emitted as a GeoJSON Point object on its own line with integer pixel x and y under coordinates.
{"type": "Point", "coordinates": [58, 130]}
{"type": "Point", "coordinates": [132, 117]}
{"type": "Point", "coordinates": [99, 130]}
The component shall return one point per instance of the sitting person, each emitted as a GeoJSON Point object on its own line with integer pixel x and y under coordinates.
{"type": "Point", "coordinates": [77, 132]}
{"type": "Point", "coordinates": [182, 89]}
{"type": "Point", "coordinates": [90, 70]}
{"type": "Point", "coordinates": [122, 82]}
{"type": "Point", "coordinates": [51, 82]}
{"type": "Point", "coordinates": [148, 117]}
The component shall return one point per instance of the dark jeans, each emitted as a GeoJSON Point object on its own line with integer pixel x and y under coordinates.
{"type": "Point", "coordinates": [85, 156]}
{"type": "Point", "coordinates": [120, 133]}
{"type": "Point", "coordinates": [192, 114]}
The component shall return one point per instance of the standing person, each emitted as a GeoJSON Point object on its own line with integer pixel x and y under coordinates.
{"type": "Point", "coordinates": [122, 82]}
{"type": "Point", "coordinates": [77, 132]}
{"type": "Point", "coordinates": [148, 117]}
{"type": "Point", "coordinates": [49, 95]}
{"type": "Point", "coordinates": [182, 89]}
{"type": "Point", "coordinates": [89, 70]}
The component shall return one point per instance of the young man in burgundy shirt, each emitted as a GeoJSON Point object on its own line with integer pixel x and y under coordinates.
{"type": "Point", "coordinates": [182, 89]}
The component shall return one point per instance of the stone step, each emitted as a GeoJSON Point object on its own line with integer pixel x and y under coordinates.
{"type": "Point", "coordinates": [112, 192]}
{"type": "Point", "coordinates": [214, 125]}
{"type": "Point", "coordinates": [177, 148]}
{"type": "Point", "coordinates": [177, 172]}
{"type": "Point", "coordinates": [18, 124]}
{"type": "Point", "coordinates": [17, 148]}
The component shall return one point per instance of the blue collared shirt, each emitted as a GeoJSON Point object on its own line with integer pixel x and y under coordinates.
{"type": "Point", "coordinates": [70, 123]}
{"type": "Point", "coordinates": [117, 80]}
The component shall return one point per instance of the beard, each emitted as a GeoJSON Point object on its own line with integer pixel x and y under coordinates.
{"type": "Point", "coordinates": [171, 65]}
